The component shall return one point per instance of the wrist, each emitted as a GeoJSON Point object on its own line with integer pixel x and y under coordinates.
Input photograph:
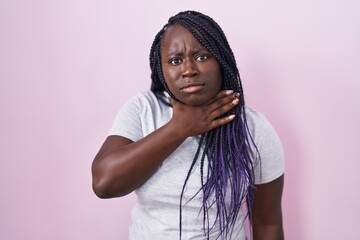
{"type": "Point", "coordinates": [176, 131]}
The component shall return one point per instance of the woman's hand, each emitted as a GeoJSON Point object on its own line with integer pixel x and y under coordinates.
{"type": "Point", "coordinates": [196, 120]}
{"type": "Point", "coordinates": [121, 165]}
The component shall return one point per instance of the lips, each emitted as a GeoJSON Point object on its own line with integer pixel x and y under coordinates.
{"type": "Point", "coordinates": [192, 87]}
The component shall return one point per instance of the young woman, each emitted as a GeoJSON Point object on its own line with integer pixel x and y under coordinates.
{"type": "Point", "coordinates": [199, 159]}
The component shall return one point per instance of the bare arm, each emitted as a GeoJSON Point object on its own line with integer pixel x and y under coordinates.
{"type": "Point", "coordinates": [122, 165]}
{"type": "Point", "coordinates": [267, 214]}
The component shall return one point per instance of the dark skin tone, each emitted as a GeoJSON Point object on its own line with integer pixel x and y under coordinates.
{"type": "Point", "coordinates": [192, 74]}
{"type": "Point", "coordinates": [194, 77]}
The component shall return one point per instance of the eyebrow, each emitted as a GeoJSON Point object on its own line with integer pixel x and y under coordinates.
{"type": "Point", "coordinates": [195, 50]}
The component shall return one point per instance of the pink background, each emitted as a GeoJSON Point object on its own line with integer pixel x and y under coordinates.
{"type": "Point", "coordinates": [67, 66]}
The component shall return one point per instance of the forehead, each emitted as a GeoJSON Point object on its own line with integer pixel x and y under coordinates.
{"type": "Point", "coordinates": [178, 36]}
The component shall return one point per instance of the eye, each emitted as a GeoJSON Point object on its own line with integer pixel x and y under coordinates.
{"type": "Point", "coordinates": [175, 61]}
{"type": "Point", "coordinates": [201, 57]}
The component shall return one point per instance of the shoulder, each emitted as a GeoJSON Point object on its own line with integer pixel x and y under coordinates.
{"type": "Point", "coordinates": [139, 115]}
{"type": "Point", "coordinates": [140, 102]}
{"type": "Point", "coordinates": [146, 98]}
{"type": "Point", "coordinates": [263, 133]}
{"type": "Point", "coordinates": [256, 121]}
{"type": "Point", "coordinates": [268, 146]}
{"type": "Point", "coordinates": [147, 106]}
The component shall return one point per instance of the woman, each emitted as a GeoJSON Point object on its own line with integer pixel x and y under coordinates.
{"type": "Point", "coordinates": [190, 148]}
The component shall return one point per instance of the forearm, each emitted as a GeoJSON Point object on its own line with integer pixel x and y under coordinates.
{"type": "Point", "coordinates": [266, 212]}
{"type": "Point", "coordinates": [268, 232]}
{"type": "Point", "coordinates": [121, 170]}
{"type": "Point", "coordinates": [121, 165]}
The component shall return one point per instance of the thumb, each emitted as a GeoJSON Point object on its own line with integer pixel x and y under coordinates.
{"type": "Point", "coordinates": [171, 100]}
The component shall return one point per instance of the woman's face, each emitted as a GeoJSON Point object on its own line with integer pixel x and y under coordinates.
{"type": "Point", "coordinates": [192, 74]}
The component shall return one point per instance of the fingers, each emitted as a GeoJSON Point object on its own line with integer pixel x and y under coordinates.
{"type": "Point", "coordinates": [220, 95]}
{"type": "Point", "coordinates": [222, 121]}
{"type": "Point", "coordinates": [224, 101]}
{"type": "Point", "coordinates": [171, 100]}
{"type": "Point", "coordinates": [195, 120]}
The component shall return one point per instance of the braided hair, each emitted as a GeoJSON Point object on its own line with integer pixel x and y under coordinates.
{"type": "Point", "coordinates": [228, 147]}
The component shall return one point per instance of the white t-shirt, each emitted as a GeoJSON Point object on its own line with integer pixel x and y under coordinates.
{"type": "Point", "coordinates": [155, 214]}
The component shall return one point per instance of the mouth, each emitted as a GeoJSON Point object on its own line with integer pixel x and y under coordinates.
{"type": "Point", "coordinates": [192, 87]}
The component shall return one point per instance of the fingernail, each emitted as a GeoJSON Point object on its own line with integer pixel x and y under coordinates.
{"type": "Point", "coordinates": [166, 94]}
{"type": "Point", "coordinates": [231, 117]}
{"type": "Point", "coordinates": [236, 95]}
{"type": "Point", "coordinates": [235, 101]}
{"type": "Point", "coordinates": [228, 92]}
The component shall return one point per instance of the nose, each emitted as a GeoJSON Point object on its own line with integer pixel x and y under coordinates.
{"type": "Point", "coordinates": [189, 69]}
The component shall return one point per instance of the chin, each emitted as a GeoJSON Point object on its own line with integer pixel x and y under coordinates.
{"type": "Point", "coordinates": [196, 101]}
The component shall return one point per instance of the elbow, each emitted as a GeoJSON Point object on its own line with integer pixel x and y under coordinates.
{"type": "Point", "coordinates": [107, 184]}
{"type": "Point", "coordinates": [101, 184]}
{"type": "Point", "coordinates": [106, 188]}
{"type": "Point", "coordinates": [100, 189]}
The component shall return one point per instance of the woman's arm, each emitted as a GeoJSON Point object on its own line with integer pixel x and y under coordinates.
{"type": "Point", "coordinates": [122, 165]}
{"type": "Point", "coordinates": [266, 212]}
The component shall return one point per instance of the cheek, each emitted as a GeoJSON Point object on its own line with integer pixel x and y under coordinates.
{"type": "Point", "coordinates": [170, 82]}
{"type": "Point", "coordinates": [171, 86]}
{"type": "Point", "coordinates": [167, 76]}
{"type": "Point", "coordinates": [217, 81]}
{"type": "Point", "coordinates": [172, 77]}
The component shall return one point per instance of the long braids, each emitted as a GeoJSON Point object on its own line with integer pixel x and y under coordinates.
{"type": "Point", "coordinates": [228, 147]}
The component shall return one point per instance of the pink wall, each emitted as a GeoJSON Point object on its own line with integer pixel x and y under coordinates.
{"type": "Point", "coordinates": [67, 66]}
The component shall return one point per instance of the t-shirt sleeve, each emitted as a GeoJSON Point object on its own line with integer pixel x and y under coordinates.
{"type": "Point", "coordinates": [270, 164]}
{"type": "Point", "coordinates": [127, 122]}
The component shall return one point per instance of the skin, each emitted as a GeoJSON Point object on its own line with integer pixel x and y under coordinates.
{"type": "Point", "coordinates": [192, 74]}
{"type": "Point", "coordinates": [194, 77]}
{"type": "Point", "coordinates": [266, 211]}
